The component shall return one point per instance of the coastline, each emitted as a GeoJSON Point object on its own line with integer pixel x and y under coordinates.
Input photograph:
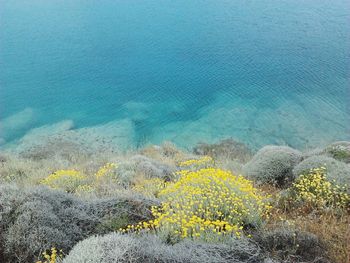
{"type": "Point", "coordinates": [85, 175]}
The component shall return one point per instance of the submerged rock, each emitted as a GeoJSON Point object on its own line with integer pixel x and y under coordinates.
{"type": "Point", "coordinates": [16, 124]}
{"type": "Point", "coordinates": [61, 138]}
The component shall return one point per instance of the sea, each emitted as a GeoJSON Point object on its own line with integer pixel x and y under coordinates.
{"type": "Point", "coordinates": [258, 71]}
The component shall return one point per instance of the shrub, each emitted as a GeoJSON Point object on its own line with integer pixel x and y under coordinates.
{"type": "Point", "coordinates": [291, 245]}
{"type": "Point", "coordinates": [337, 172]}
{"type": "Point", "coordinates": [34, 220]}
{"type": "Point", "coordinates": [39, 218]}
{"type": "Point", "coordinates": [225, 149]}
{"type": "Point", "coordinates": [273, 165]}
{"type": "Point", "coordinates": [209, 204]}
{"type": "Point", "coordinates": [68, 180]}
{"type": "Point", "coordinates": [165, 153]}
{"type": "Point", "coordinates": [9, 197]}
{"type": "Point", "coordinates": [150, 187]}
{"type": "Point", "coordinates": [315, 190]}
{"type": "Point", "coordinates": [151, 168]}
{"type": "Point", "coordinates": [53, 256]}
{"type": "Point", "coordinates": [138, 166]}
{"type": "Point", "coordinates": [117, 213]}
{"type": "Point", "coordinates": [74, 181]}
{"type": "Point", "coordinates": [196, 164]}
{"type": "Point", "coordinates": [13, 169]}
{"type": "Point", "coordinates": [103, 170]}
{"type": "Point", "coordinates": [149, 249]}
{"type": "Point", "coordinates": [339, 151]}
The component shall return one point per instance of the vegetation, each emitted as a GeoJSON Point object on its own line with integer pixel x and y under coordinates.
{"type": "Point", "coordinates": [209, 204]}
{"type": "Point", "coordinates": [68, 180]}
{"type": "Point", "coordinates": [314, 189]}
{"type": "Point", "coordinates": [228, 149]}
{"type": "Point", "coordinates": [36, 219]}
{"type": "Point", "coordinates": [273, 165]}
{"type": "Point", "coordinates": [120, 248]}
{"type": "Point", "coordinates": [161, 204]}
{"type": "Point", "coordinates": [51, 257]}
{"type": "Point", "coordinates": [339, 151]}
{"type": "Point", "coordinates": [337, 171]}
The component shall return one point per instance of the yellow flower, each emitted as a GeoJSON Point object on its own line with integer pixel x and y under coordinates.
{"type": "Point", "coordinates": [64, 179]}
{"type": "Point", "coordinates": [196, 163]}
{"type": "Point", "coordinates": [105, 169]}
{"type": "Point", "coordinates": [52, 256]}
{"type": "Point", "coordinates": [206, 202]}
{"type": "Point", "coordinates": [150, 187]}
{"type": "Point", "coordinates": [314, 188]}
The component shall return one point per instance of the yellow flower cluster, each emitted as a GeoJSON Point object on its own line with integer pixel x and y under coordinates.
{"type": "Point", "coordinates": [314, 188]}
{"type": "Point", "coordinates": [150, 187]}
{"type": "Point", "coordinates": [75, 181]}
{"type": "Point", "coordinates": [59, 173]}
{"type": "Point", "coordinates": [51, 257]}
{"type": "Point", "coordinates": [64, 179]}
{"type": "Point", "coordinates": [207, 204]}
{"type": "Point", "coordinates": [205, 161]}
{"type": "Point", "coordinates": [105, 169]}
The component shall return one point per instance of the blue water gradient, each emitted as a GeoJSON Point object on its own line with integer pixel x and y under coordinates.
{"type": "Point", "coordinates": [260, 71]}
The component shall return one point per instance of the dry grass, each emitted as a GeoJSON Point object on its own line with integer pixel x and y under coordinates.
{"type": "Point", "coordinates": [331, 227]}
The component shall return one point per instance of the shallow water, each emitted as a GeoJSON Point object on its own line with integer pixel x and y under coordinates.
{"type": "Point", "coordinates": [263, 72]}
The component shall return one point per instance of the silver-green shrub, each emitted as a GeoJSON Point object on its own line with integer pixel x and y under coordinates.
{"type": "Point", "coordinates": [337, 171]}
{"type": "Point", "coordinates": [115, 213]}
{"type": "Point", "coordinates": [34, 220]}
{"type": "Point", "coordinates": [9, 198]}
{"type": "Point", "coordinates": [273, 164]}
{"type": "Point", "coordinates": [38, 218]}
{"type": "Point", "coordinates": [120, 248]}
{"type": "Point", "coordinates": [142, 165]}
{"type": "Point", "coordinates": [339, 151]}
{"type": "Point", "coordinates": [291, 245]}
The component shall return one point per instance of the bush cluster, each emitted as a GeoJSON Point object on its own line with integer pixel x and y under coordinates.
{"type": "Point", "coordinates": [149, 187]}
{"type": "Point", "coordinates": [291, 245]}
{"type": "Point", "coordinates": [339, 151]}
{"type": "Point", "coordinates": [273, 165]}
{"type": "Point", "coordinates": [140, 166]}
{"type": "Point", "coordinates": [68, 180]}
{"type": "Point", "coordinates": [183, 207]}
{"type": "Point", "coordinates": [74, 181]}
{"type": "Point", "coordinates": [34, 220]}
{"type": "Point", "coordinates": [209, 204]}
{"type": "Point", "coordinates": [195, 164]}
{"type": "Point", "coordinates": [120, 248]}
{"type": "Point", "coordinates": [337, 171]}
{"type": "Point", "coordinates": [314, 189]}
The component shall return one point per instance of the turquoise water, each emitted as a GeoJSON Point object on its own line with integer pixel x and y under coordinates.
{"type": "Point", "coordinates": [259, 71]}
